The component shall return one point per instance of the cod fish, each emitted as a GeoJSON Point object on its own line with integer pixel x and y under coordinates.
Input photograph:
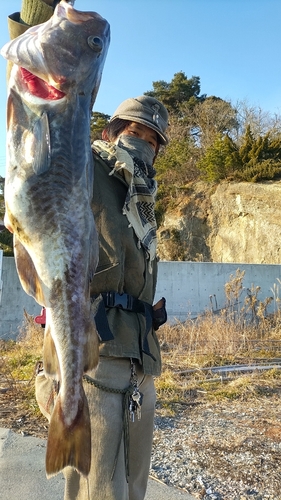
{"type": "Point", "coordinates": [55, 76]}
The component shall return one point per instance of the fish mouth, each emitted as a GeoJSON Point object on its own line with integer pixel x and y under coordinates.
{"type": "Point", "coordinates": [40, 88]}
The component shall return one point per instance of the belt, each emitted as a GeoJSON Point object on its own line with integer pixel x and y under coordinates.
{"type": "Point", "coordinates": [128, 303]}
{"type": "Point", "coordinates": [124, 301]}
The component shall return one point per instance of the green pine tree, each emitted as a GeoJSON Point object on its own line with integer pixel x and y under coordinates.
{"type": "Point", "coordinates": [98, 122]}
{"type": "Point", "coordinates": [220, 160]}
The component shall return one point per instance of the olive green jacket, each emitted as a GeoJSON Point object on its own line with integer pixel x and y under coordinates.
{"type": "Point", "coordinates": [123, 266]}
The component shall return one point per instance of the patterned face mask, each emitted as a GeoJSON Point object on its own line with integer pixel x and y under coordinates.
{"type": "Point", "coordinates": [140, 198]}
{"type": "Point", "coordinates": [136, 147]}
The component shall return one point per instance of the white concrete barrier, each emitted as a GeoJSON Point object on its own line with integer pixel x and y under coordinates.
{"type": "Point", "coordinates": [13, 301]}
{"type": "Point", "coordinates": [194, 287]}
{"type": "Point", "coordinates": [189, 287]}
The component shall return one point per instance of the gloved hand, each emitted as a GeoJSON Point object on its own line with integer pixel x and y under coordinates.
{"type": "Point", "coordinates": [35, 12]}
{"type": "Point", "coordinates": [54, 3]}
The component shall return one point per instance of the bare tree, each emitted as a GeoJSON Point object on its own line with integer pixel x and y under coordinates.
{"type": "Point", "coordinates": [261, 122]}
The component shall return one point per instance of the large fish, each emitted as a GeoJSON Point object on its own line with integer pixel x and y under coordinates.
{"type": "Point", "coordinates": [55, 76]}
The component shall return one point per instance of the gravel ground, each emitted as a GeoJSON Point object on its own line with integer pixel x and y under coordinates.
{"type": "Point", "coordinates": [221, 450]}
{"type": "Point", "coordinates": [226, 450]}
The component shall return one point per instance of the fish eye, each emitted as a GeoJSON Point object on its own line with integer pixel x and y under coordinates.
{"type": "Point", "coordinates": [95, 43]}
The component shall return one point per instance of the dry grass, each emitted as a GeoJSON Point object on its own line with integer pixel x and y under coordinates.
{"type": "Point", "coordinates": [244, 335]}
{"type": "Point", "coordinates": [18, 360]}
{"type": "Point", "coordinates": [234, 336]}
{"type": "Point", "coordinates": [189, 352]}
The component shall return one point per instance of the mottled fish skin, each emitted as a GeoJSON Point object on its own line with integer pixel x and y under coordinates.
{"type": "Point", "coordinates": [48, 191]}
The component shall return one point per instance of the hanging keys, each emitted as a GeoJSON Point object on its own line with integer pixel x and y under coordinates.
{"type": "Point", "coordinates": [132, 409]}
{"type": "Point", "coordinates": [136, 397]}
{"type": "Point", "coordinates": [135, 404]}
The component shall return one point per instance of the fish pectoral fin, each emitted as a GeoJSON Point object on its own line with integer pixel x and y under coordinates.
{"type": "Point", "coordinates": [69, 445]}
{"type": "Point", "coordinates": [50, 357]}
{"type": "Point", "coordinates": [27, 273]}
{"type": "Point", "coordinates": [7, 223]}
{"type": "Point", "coordinates": [42, 153]}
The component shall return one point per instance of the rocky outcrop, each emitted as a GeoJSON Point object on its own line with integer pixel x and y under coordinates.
{"type": "Point", "coordinates": [231, 222]}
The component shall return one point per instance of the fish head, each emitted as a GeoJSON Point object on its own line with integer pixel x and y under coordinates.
{"type": "Point", "coordinates": [67, 52]}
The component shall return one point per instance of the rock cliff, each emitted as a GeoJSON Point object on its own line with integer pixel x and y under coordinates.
{"type": "Point", "coordinates": [230, 222]}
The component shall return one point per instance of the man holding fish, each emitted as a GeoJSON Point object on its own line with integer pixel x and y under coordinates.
{"type": "Point", "coordinates": [92, 287]}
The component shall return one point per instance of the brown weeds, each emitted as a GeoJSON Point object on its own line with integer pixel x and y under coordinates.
{"type": "Point", "coordinates": [237, 335]}
{"type": "Point", "coordinates": [18, 361]}
{"type": "Point", "coordinates": [240, 334]}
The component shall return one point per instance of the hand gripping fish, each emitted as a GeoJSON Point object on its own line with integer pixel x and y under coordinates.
{"type": "Point", "coordinates": [54, 80]}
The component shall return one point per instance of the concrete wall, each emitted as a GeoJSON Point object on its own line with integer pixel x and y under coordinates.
{"type": "Point", "coordinates": [13, 301]}
{"type": "Point", "coordinates": [189, 287]}
{"type": "Point", "coordinates": [192, 287]}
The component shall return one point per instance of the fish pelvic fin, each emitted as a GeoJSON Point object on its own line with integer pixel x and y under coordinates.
{"type": "Point", "coordinates": [27, 273]}
{"type": "Point", "coordinates": [69, 445]}
{"type": "Point", "coordinates": [50, 358]}
{"type": "Point", "coordinates": [91, 350]}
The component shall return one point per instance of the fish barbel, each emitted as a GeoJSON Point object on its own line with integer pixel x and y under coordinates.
{"type": "Point", "coordinates": [56, 72]}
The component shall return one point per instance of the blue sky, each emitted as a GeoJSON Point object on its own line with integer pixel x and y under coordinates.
{"type": "Point", "coordinates": [232, 45]}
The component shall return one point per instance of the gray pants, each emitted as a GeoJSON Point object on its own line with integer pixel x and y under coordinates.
{"type": "Point", "coordinates": [107, 478]}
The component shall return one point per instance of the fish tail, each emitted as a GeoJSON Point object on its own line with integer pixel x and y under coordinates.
{"type": "Point", "coordinates": [69, 445]}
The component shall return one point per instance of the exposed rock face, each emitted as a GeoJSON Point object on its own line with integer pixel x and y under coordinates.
{"type": "Point", "coordinates": [231, 222]}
